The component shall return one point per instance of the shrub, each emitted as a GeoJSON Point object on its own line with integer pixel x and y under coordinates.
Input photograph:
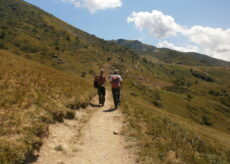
{"type": "Point", "coordinates": [70, 114]}
{"type": "Point", "coordinates": [1, 45]}
{"type": "Point", "coordinates": [133, 94]}
{"type": "Point", "coordinates": [180, 82]}
{"type": "Point", "coordinates": [177, 89]}
{"type": "Point", "coordinates": [214, 93]}
{"type": "Point", "coordinates": [145, 60]}
{"type": "Point", "coordinates": [2, 34]}
{"type": "Point", "coordinates": [189, 84]}
{"type": "Point", "coordinates": [202, 76]}
{"type": "Point", "coordinates": [157, 100]}
{"type": "Point", "coordinates": [157, 103]}
{"type": "Point", "coordinates": [225, 101]}
{"type": "Point", "coordinates": [83, 74]}
{"type": "Point", "coordinates": [67, 38]}
{"type": "Point", "coordinates": [189, 97]}
{"type": "Point", "coordinates": [59, 148]}
{"type": "Point", "coordinates": [206, 120]}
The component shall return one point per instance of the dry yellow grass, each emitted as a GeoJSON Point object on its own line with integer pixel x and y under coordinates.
{"type": "Point", "coordinates": [33, 96]}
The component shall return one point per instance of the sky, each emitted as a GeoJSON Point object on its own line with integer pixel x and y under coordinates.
{"type": "Point", "coordinates": [201, 26]}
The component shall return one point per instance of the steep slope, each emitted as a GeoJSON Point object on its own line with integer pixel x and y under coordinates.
{"type": "Point", "coordinates": [32, 97]}
{"type": "Point", "coordinates": [178, 114]}
{"type": "Point", "coordinates": [170, 56]}
{"type": "Point", "coordinates": [30, 32]}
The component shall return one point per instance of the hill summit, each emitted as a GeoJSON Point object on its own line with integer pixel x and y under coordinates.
{"type": "Point", "coordinates": [170, 56]}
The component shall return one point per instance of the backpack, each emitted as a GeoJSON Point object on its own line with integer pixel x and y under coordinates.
{"type": "Point", "coordinates": [115, 80]}
{"type": "Point", "coordinates": [95, 84]}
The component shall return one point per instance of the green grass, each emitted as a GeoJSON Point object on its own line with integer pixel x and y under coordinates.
{"type": "Point", "coordinates": [180, 119]}
{"type": "Point", "coordinates": [158, 132]}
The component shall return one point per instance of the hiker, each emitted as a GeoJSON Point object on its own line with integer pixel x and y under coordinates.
{"type": "Point", "coordinates": [116, 82]}
{"type": "Point", "coordinates": [99, 83]}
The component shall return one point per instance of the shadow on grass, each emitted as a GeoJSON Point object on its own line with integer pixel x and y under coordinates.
{"type": "Point", "coordinates": [30, 158]}
{"type": "Point", "coordinates": [110, 110]}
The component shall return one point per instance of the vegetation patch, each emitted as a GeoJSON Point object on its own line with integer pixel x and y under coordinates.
{"type": "Point", "coordinates": [206, 120]}
{"type": "Point", "coordinates": [202, 76]}
{"type": "Point", "coordinates": [32, 97]}
{"type": "Point", "coordinates": [158, 135]}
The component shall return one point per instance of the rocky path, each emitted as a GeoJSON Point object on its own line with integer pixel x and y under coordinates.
{"type": "Point", "coordinates": [94, 137]}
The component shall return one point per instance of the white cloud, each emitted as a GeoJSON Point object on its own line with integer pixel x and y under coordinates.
{"type": "Point", "coordinates": [94, 5]}
{"type": "Point", "coordinates": [166, 44]}
{"type": "Point", "coordinates": [156, 23]}
{"type": "Point", "coordinates": [214, 42]}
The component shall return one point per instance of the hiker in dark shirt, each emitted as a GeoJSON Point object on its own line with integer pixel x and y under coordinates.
{"type": "Point", "coordinates": [100, 81]}
{"type": "Point", "coordinates": [116, 82]}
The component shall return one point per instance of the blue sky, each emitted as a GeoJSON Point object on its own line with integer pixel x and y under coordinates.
{"type": "Point", "coordinates": [186, 25]}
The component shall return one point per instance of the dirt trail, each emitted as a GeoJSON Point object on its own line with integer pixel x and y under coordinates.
{"type": "Point", "coordinates": [89, 139]}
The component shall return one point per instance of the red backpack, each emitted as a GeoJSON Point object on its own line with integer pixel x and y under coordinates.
{"type": "Point", "coordinates": [115, 81]}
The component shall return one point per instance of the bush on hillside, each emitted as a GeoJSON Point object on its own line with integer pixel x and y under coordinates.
{"type": "Point", "coordinates": [28, 48]}
{"type": "Point", "coordinates": [225, 101]}
{"type": "Point", "coordinates": [202, 76]}
{"type": "Point", "coordinates": [83, 74]}
{"type": "Point", "coordinates": [177, 89]}
{"type": "Point", "coordinates": [145, 60]}
{"type": "Point", "coordinates": [180, 81]}
{"type": "Point", "coordinates": [157, 99]}
{"type": "Point", "coordinates": [108, 59]}
{"type": "Point", "coordinates": [2, 34]}
{"type": "Point", "coordinates": [206, 120]}
{"type": "Point", "coordinates": [214, 93]}
{"type": "Point", "coordinates": [1, 45]}
{"type": "Point", "coordinates": [189, 97]}
{"type": "Point", "coordinates": [70, 114]}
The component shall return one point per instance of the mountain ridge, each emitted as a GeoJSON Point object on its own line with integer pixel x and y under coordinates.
{"type": "Point", "coordinates": [166, 55]}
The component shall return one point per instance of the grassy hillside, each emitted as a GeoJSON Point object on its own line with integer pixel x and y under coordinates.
{"type": "Point", "coordinates": [170, 56]}
{"type": "Point", "coordinates": [33, 96]}
{"type": "Point", "coordinates": [32, 33]}
{"type": "Point", "coordinates": [179, 113]}
{"type": "Point", "coordinates": [176, 113]}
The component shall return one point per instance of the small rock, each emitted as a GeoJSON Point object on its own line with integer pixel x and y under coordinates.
{"type": "Point", "coordinates": [115, 132]}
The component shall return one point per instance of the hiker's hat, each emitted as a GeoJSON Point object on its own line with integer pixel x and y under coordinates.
{"type": "Point", "coordinates": [102, 70]}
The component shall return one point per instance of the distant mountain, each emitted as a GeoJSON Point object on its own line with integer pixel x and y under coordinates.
{"type": "Point", "coordinates": [135, 45]}
{"type": "Point", "coordinates": [171, 56]}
